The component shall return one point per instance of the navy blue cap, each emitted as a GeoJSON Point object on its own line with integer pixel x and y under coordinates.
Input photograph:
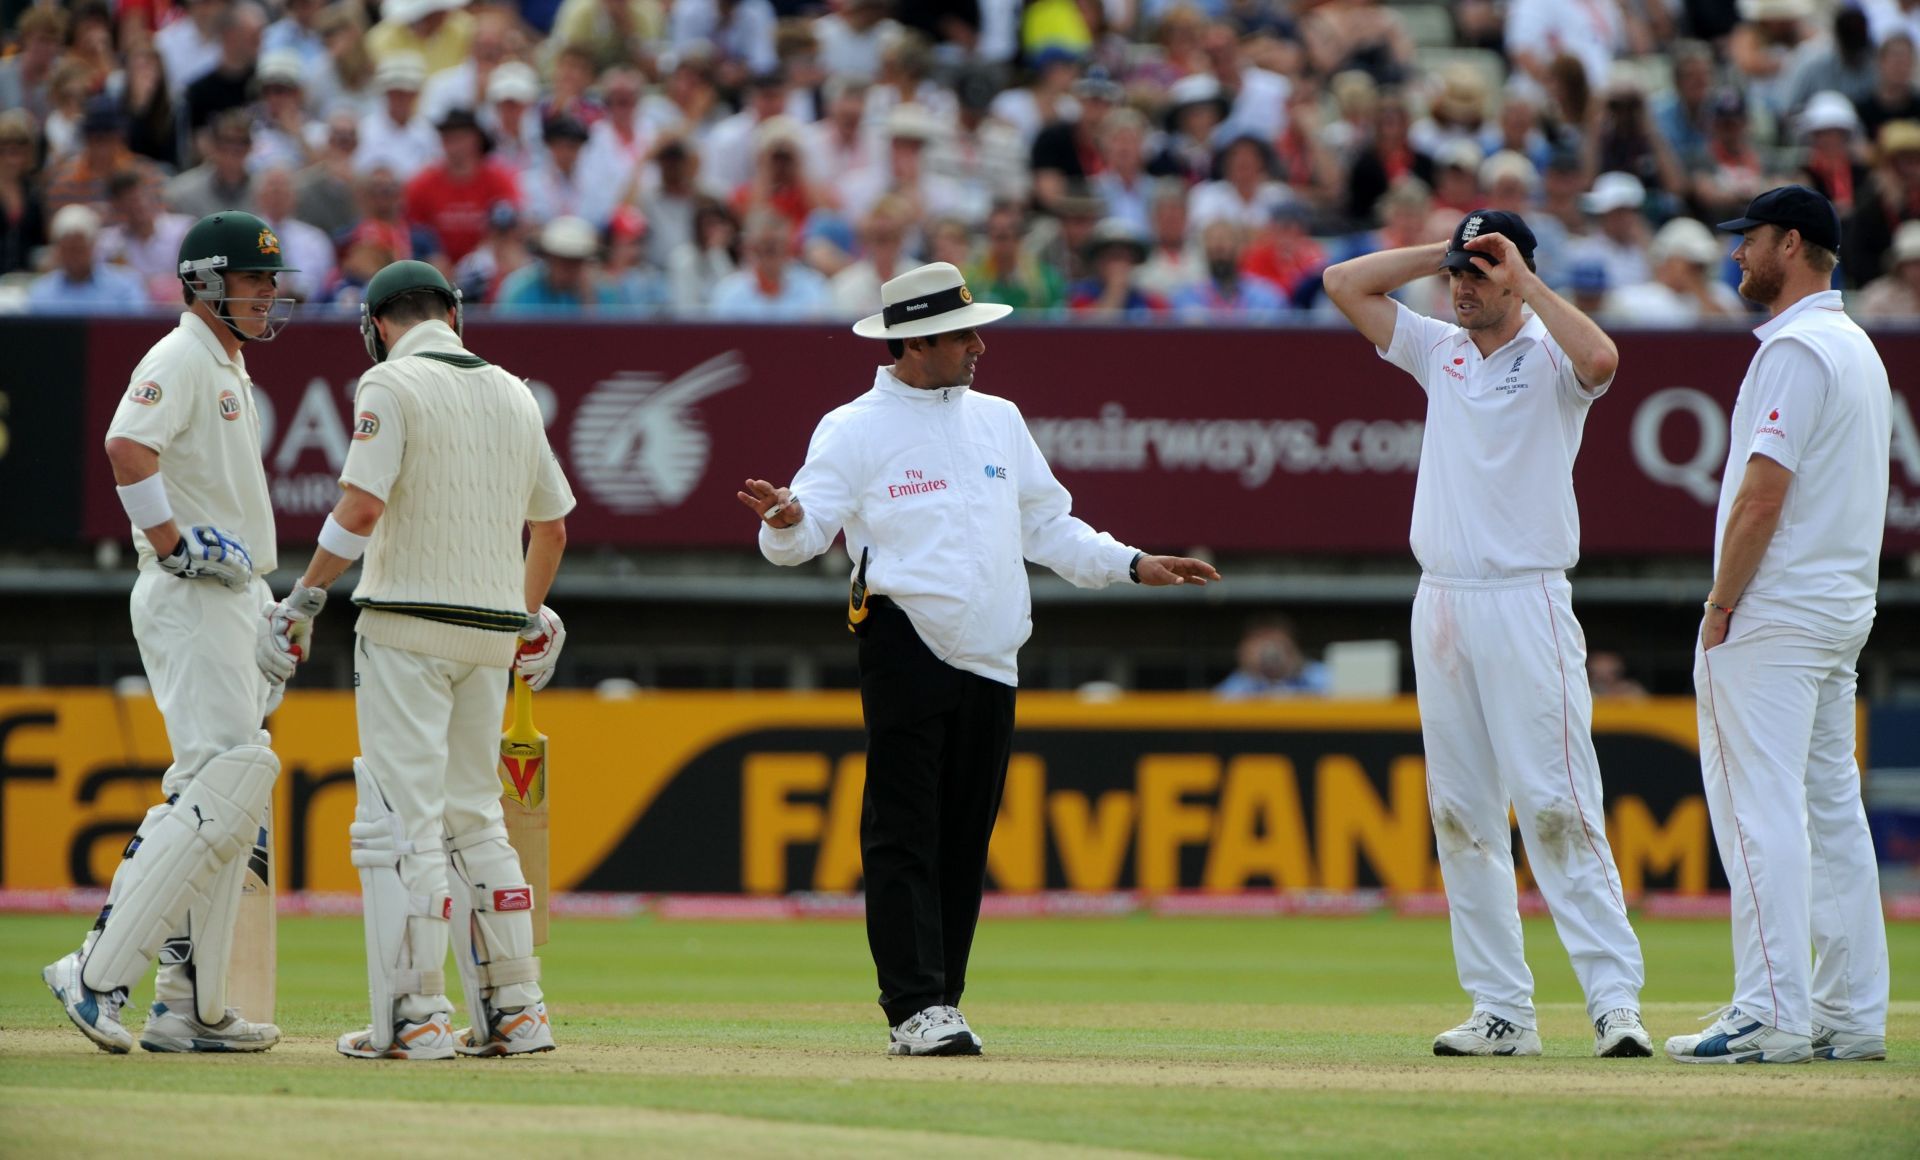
{"type": "Point", "coordinates": [1487, 221]}
{"type": "Point", "coordinates": [1792, 207]}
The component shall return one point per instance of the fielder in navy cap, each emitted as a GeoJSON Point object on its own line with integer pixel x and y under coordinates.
{"type": "Point", "coordinates": [1487, 221]}
{"type": "Point", "coordinates": [1789, 222]}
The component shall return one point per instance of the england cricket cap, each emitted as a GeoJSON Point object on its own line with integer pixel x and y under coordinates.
{"type": "Point", "coordinates": [930, 300]}
{"type": "Point", "coordinates": [1487, 221]}
{"type": "Point", "coordinates": [1792, 207]}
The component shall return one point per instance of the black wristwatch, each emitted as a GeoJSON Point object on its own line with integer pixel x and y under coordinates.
{"type": "Point", "coordinates": [1133, 566]}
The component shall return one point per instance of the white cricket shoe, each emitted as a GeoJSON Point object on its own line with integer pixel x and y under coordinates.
{"type": "Point", "coordinates": [1619, 1034]}
{"type": "Point", "coordinates": [1488, 1034]}
{"type": "Point", "coordinates": [934, 1031]}
{"type": "Point", "coordinates": [170, 1030]}
{"type": "Point", "coordinates": [95, 1013]}
{"type": "Point", "coordinates": [430, 1039]}
{"type": "Point", "coordinates": [516, 1031]}
{"type": "Point", "coordinates": [1833, 1043]}
{"type": "Point", "coordinates": [1736, 1037]}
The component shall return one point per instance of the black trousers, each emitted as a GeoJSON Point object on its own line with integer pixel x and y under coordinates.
{"type": "Point", "coordinates": [938, 740]}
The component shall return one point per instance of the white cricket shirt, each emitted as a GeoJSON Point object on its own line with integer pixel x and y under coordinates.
{"type": "Point", "coordinates": [1494, 496]}
{"type": "Point", "coordinates": [952, 495]}
{"type": "Point", "coordinates": [1816, 401]}
{"type": "Point", "coordinates": [194, 405]}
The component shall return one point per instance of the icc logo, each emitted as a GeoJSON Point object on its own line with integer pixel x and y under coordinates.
{"type": "Point", "coordinates": [638, 444]}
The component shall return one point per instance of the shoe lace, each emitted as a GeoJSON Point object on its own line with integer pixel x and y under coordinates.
{"type": "Point", "coordinates": [1728, 1014]}
{"type": "Point", "coordinates": [1616, 1018]}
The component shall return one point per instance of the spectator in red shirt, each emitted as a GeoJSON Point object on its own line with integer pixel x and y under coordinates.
{"type": "Point", "coordinates": [1284, 253]}
{"type": "Point", "coordinates": [454, 196]}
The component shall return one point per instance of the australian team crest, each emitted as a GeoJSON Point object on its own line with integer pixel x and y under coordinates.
{"type": "Point", "coordinates": [269, 244]}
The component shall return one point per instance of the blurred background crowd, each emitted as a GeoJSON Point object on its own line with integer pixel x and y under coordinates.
{"type": "Point", "coordinates": [779, 159]}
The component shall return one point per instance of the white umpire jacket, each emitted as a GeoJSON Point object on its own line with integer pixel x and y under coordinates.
{"type": "Point", "coordinates": [951, 495]}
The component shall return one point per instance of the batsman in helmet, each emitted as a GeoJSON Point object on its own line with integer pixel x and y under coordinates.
{"type": "Point", "coordinates": [442, 440]}
{"type": "Point", "coordinates": [185, 449]}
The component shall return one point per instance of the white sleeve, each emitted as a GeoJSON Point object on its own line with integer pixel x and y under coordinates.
{"type": "Point", "coordinates": [1415, 337]}
{"type": "Point", "coordinates": [1568, 379]}
{"type": "Point", "coordinates": [1051, 535]}
{"type": "Point", "coordinates": [1789, 392]}
{"type": "Point", "coordinates": [825, 487]}
{"type": "Point", "coordinates": [379, 441]}
{"type": "Point", "coordinates": [552, 495]}
{"type": "Point", "coordinates": [156, 406]}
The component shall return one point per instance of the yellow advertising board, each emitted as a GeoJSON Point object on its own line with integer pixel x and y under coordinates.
{"type": "Point", "coordinates": [760, 793]}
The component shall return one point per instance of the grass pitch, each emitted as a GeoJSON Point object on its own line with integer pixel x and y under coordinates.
{"type": "Point", "coordinates": [1191, 1037]}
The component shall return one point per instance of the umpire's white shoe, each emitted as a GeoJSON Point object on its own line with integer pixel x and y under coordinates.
{"type": "Point", "coordinates": [431, 1038]}
{"type": "Point", "coordinates": [1488, 1034]}
{"type": "Point", "coordinates": [1619, 1034]}
{"type": "Point", "coordinates": [934, 1031]}
{"type": "Point", "coordinates": [95, 1013]}
{"type": "Point", "coordinates": [516, 1031]}
{"type": "Point", "coordinates": [1736, 1037]}
{"type": "Point", "coordinates": [171, 1030]}
{"type": "Point", "coordinates": [1833, 1043]}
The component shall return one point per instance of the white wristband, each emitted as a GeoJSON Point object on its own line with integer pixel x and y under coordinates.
{"type": "Point", "coordinates": [340, 541]}
{"type": "Point", "coordinates": [146, 502]}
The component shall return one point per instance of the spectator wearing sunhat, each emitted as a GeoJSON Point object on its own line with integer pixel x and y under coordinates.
{"type": "Point", "coordinates": [1895, 295]}
{"type": "Point", "coordinates": [1685, 287]}
{"type": "Point", "coordinates": [943, 496]}
{"type": "Point", "coordinates": [439, 32]}
{"type": "Point", "coordinates": [395, 135]}
{"type": "Point", "coordinates": [453, 196]}
{"type": "Point", "coordinates": [1617, 241]}
{"type": "Point", "coordinates": [910, 135]}
{"type": "Point", "coordinates": [507, 115]}
{"type": "Point", "coordinates": [78, 281]}
{"type": "Point", "coordinates": [1113, 255]}
{"type": "Point", "coordinates": [280, 124]}
{"type": "Point", "coordinates": [565, 279]}
{"type": "Point", "coordinates": [779, 181]}
{"type": "Point", "coordinates": [1831, 129]}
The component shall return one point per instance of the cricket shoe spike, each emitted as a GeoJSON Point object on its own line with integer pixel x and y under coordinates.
{"type": "Point", "coordinates": [1737, 1037]}
{"type": "Point", "coordinates": [1835, 1044]}
{"type": "Point", "coordinates": [171, 1030]}
{"type": "Point", "coordinates": [934, 1031]}
{"type": "Point", "coordinates": [516, 1031]}
{"type": "Point", "coordinates": [431, 1038]}
{"type": "Point", "coordinates": [1619, 1034]}
{"type": "Point", "coordinates": [1488, 1034]}
{"type": "Point", "coordinates": [95, 1013]}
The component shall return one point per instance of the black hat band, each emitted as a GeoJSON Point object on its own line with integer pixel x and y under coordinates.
{"type": "Point", "coordinates": [928, 306]}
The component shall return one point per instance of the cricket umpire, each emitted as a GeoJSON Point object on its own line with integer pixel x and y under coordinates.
{"type": "Point", "coordinates": [1796, 562]}
{"type": "Point", "coordinates": [943, 497]}
{"type": "Point", "coordinates": [185, 448]}
{"type": "Point", "coordinates": [449, 463]}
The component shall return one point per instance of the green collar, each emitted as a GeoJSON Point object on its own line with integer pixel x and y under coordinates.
{"type": "Point", "coordinates": [452, 358]}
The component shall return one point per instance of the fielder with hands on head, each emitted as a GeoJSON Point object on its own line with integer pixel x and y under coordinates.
{"type": "Point", "coordinates": [943, 497]}
{"type": "Point", "coordinates": [441, 440]}
{"type": "Point", "coordinates": [185, 449]}
{"type": "Point", "coordinates": [1803, 508]}
{"type": "Point", "coordinates": [1500, 660]}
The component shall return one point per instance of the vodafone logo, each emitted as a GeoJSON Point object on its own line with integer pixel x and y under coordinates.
{"type": "Point", "coordinates": [1774, 415]}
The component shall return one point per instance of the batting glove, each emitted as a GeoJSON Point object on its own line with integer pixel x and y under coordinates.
{"type": "Point", "coordinates": [540, 644]}
{"type": "Point", "coordinates": [208, 553]}
{"type": "Point", "coordinates": [286, 632]}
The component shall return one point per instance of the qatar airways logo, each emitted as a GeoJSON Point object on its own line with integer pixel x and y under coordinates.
{"type": "Point", "coordinates": [917, 484]}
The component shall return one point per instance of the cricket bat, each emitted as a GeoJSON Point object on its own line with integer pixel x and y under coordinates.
{"type": "Point", "coordinates": [523, 799]}
{"type": "Point", "coordinates": [250, 972]}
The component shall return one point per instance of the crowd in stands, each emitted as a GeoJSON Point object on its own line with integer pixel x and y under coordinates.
{"type": "Point", "coordinates": [779, 159]}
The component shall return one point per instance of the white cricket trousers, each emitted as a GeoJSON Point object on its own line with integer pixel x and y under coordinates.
{"type": "Point", "coordinates": [1501, 674]}
{"type": "Point", "coordinates": [430, 735]}
{"type": "Point", "coordinates": [196, 641]}
{"type": "Point", "coordinates": [1776, 707]}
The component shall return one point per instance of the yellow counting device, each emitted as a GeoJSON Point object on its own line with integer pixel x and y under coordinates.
{"type": "Point", "coordinates": [857, 595]}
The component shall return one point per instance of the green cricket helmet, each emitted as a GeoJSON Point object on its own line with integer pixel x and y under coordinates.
{"type": "Point", "coordinates": [394, 280]}
{"type": "Point", "coordinates": [232, 240]}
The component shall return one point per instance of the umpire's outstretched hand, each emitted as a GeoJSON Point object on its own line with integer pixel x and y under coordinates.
{"type": "Point", "coordinates": [1160, 571]}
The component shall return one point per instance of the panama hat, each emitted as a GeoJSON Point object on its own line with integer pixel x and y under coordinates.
{"type": "Point", "coordinates": [930, 300]}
